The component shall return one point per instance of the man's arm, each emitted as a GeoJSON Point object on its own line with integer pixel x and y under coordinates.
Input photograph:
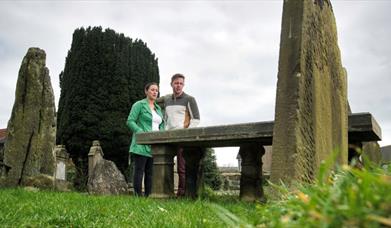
{"type": "Point", "coordinates": [160, 102]}
{"type": "Point", "coordinates": [194, 112]}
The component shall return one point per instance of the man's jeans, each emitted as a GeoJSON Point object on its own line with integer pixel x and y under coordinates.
{"type": "Point", "coordinates": [181, 172]}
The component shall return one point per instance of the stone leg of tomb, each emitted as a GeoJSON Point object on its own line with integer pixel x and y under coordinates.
{"type": "Point", "coordinates": [364, 153]}
{"type": "Point", "coordinates": [355, 149]}
{"type": "Point", "coordinates": [163, 171]}
{"type": "Point", "coordinates": [194, 174]}
{"type": "Point", "coordinates": [251, 173]}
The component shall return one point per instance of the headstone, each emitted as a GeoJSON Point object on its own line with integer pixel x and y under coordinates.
{"type": "Point", "coordinates": [311, 119]}
{"type": "Point", "coordinates": [107, 179]}
{"type": "Point", "coordinates": [94, 156]}
{"type": "Point", "coordinates": [32, 126]}
{"type": "Point", "coordinates": [62, 157]}
{"type": "Point", "coordinates": [267, 161]}
{"type": "Point", "coordinates": [386, 154]}
{"type": "Point", "coordinates": [371, 153]}
{"type": "Point", "coordinates": [103, 175]}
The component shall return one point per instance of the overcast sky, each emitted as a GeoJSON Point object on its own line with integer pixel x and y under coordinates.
{"type": "Point", "coordinates": [228, 50]}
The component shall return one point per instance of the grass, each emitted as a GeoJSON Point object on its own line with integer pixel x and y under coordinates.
{"type": "Point", "coordinates": [43, 208]}
{"type": "Point", "coordinates": [347, 198]}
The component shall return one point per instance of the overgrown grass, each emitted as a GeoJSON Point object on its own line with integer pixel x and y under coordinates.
{"type": "Point", "coordinates": [349, 198]}
{"type": "Point", "coordinates": [25, 208]}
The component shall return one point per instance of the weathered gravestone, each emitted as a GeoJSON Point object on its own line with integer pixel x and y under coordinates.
{"type": "Point", "coordinates": [62, 182]}
{"type": "Point", "coordinates": [32, 126]}
{"type": "Point", "coordinates": [386, 155]}
{"type": "Point", "coordinates": [103, 175]}
{"type": "Point", "coordinates": [311, 119]}
{"type": "Point", "coordinates": [371, 153]}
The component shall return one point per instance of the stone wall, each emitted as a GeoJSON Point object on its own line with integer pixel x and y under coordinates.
{"type": "Point", "coordinates": [231, 178]}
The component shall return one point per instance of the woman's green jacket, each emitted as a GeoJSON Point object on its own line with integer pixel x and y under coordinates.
{"type": "Point", "coordinates": [140, 120]}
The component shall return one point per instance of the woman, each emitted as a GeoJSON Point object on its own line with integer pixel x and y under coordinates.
{"type": "Point", "coordinates": [144, 116]}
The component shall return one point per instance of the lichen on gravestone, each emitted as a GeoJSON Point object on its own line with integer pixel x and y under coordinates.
{"type": "Point", "coordinates": [311, 119]}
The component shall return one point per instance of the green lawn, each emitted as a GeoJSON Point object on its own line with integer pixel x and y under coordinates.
{"type": "Point", "coordinates": [350, 198]}
{"type": "Point", "coordinates": [26, 208]}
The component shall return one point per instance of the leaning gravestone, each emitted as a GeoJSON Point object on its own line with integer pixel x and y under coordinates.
{"type": "Point", "coordinates": [103, 175]}
{"type": "Point", "coordinates": [311, 119]}
{"type": "Point", "coordinates": [32, 126]}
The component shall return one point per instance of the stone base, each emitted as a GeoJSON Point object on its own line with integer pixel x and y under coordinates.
{"type": "Point", "coordinates": [163, 171]}
{"type": "Point", "coordinates": [63, 186]}
{"type": "Point", "coordinates": [41, 181]}
{"type": "Point", "coordinates": [2, 182]}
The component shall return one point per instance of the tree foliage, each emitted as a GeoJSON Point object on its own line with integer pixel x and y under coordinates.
{"type": "Point", "coordinates": [212, 176]}
{"type": "Point", "coordinates": [104, 74]}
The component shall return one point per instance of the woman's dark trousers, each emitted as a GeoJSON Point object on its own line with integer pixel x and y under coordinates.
{"type": "Point", "coordinates": [142, 164]}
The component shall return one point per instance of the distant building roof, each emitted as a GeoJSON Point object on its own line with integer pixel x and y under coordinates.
{"type": "Point", "coordinates": [386, 153]}
{"type": "Point", "coordinates": [3, 135]}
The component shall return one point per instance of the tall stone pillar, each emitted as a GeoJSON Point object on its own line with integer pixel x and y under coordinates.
{"type": "Point", "coordinates": [311, 119]}
{"type": "Point", "coordinates": [32, 126]}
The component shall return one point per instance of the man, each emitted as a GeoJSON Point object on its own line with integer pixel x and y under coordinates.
{"type": "Point", "coordinates": [181, 111]}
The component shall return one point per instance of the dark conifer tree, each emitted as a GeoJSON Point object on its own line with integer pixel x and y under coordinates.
{"type": "Point", "coordinates": [104, 74]}
{"type": "Point", "coordinates": [212, 176]}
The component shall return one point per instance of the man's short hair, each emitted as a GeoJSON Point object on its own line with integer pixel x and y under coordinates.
{"type": "Point", "coordinates": [175, 76]}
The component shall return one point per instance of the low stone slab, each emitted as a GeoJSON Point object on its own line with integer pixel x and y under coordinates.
{"type": "Point", "coordinates": [216, 136]}
{"type": "Point", "coordinates": [362, 127]}
{"type": "Point", "coordinates": [251, 137]}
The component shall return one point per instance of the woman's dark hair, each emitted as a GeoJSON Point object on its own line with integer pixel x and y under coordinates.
{"type": "Point", "coordinates": [149, 85]}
